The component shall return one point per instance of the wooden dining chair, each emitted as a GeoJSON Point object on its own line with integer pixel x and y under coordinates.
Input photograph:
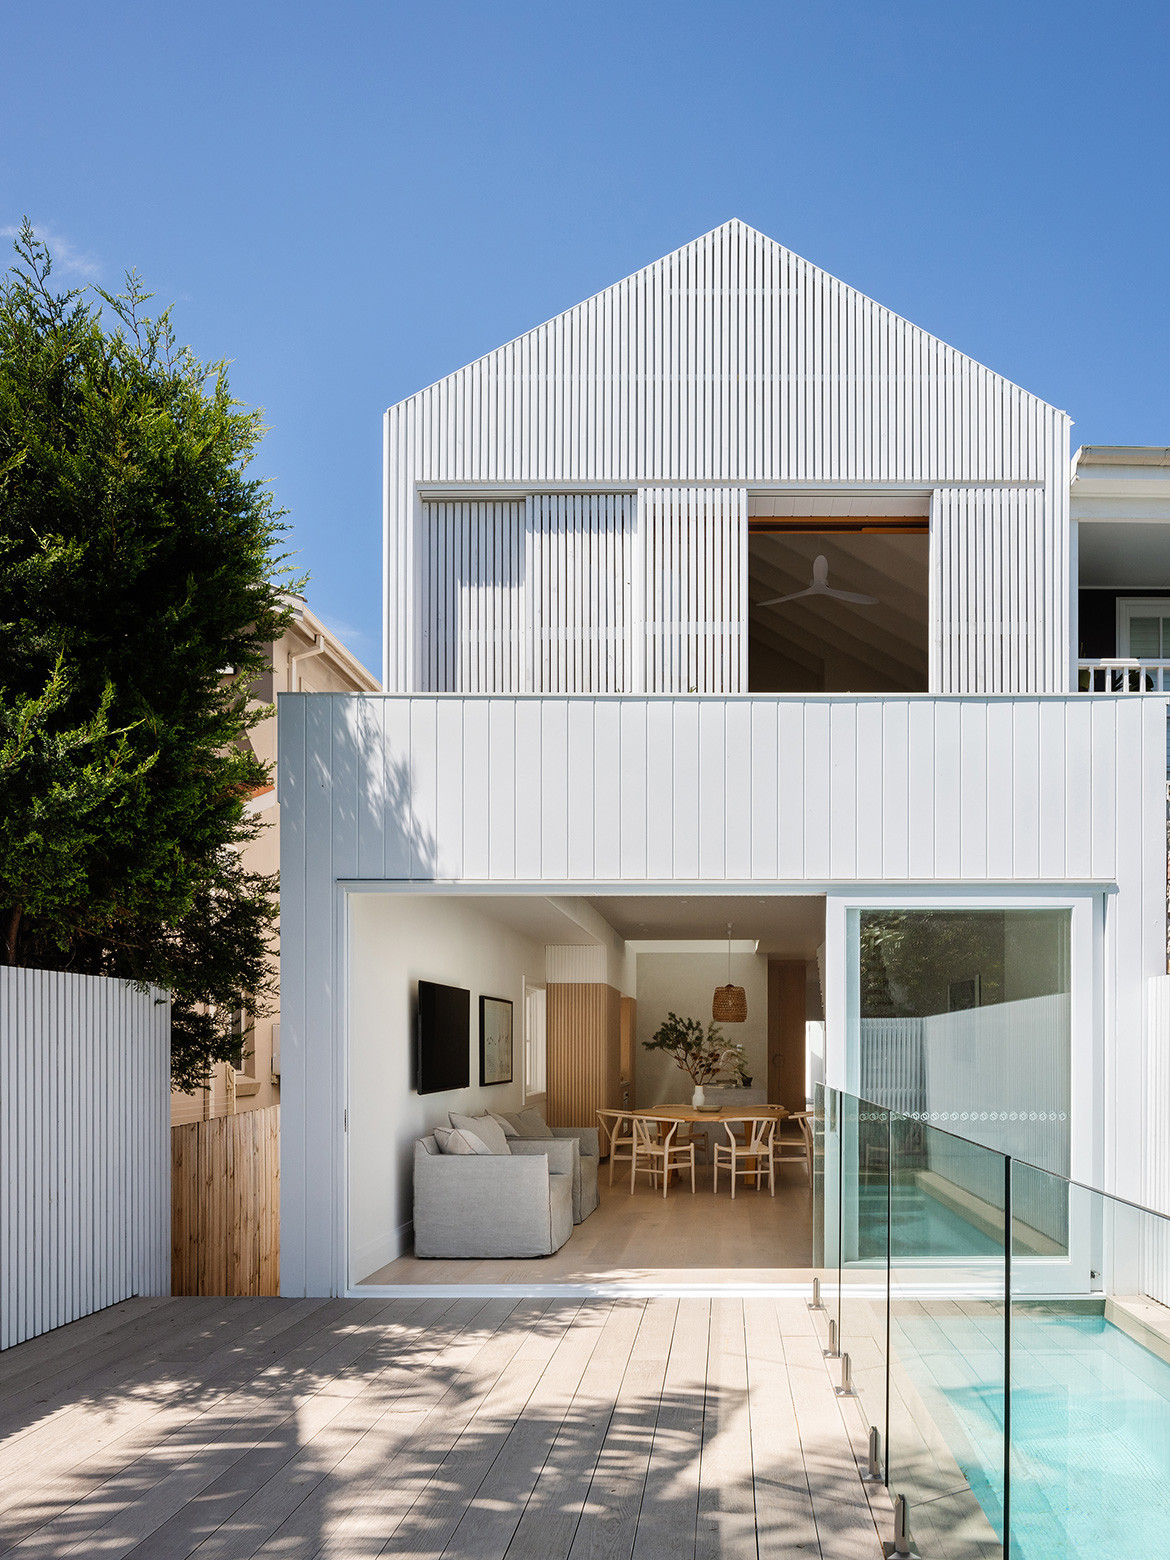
{"type": "Point", "coordinates": [611, 1123]}
{"type": "Point", "coordinates": [756, 1152]}
{"type": "Point", "coordinates": [661, 1154]}
{"type": "Point", "coordinates": [795, 1151]}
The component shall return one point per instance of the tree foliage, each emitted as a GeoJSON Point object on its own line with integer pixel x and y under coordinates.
{"type": "Point", "coordinates": [140, 585]}
{"type": "Point", "coordinates": [703, 1053]}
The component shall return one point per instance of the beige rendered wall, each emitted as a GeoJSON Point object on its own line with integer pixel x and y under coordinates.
{"type": "Point", "coordinates": [294, 668]}
{"type": "Point", "coordinates": [684, 983]}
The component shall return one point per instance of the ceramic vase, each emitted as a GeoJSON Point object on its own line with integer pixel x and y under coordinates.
{"type": "Point", "coordinates": [698, 1099]}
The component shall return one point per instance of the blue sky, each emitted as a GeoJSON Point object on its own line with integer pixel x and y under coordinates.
{"type": "Point", "coordinates": [352, 200]}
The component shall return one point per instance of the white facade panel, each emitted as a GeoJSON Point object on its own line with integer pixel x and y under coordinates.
{"type": "Point", "coordinates": [993, 795]}
{"type": "Point", "coordinates": [735, 364]}
{"type": "Point", "coordinates": [85, 1147]}
{"type": "Point", "coordinates": [835, 788]}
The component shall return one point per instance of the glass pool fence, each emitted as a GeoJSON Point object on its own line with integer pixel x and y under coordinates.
{"type": "Point", "coordinates": [1004, 1334]}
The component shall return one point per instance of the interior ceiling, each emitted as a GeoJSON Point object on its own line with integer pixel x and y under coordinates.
{"type": "Point", "coordinates": [787, 924]}
{"type": "Point", "coordinates": [533, 916]}
{"type": "Point", "coordinates": [1125, 555]}
{"type": "Point", "coordinates": [819, 632]}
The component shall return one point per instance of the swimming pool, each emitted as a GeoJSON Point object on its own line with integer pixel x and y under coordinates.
{"type": "Point", "coordinates": [1090, 1471]}
{"type": "Point", "coordinates": [921, 1226]}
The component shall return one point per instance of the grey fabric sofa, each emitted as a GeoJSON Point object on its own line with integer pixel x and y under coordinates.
{"type": "Point", "coordinates": [585, 1193]}
{"type": "Point", "coordinates": [585, 1164]}
{"type": "Point", "coordinates": [498, 1205]}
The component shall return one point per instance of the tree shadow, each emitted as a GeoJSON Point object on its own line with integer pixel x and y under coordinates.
{"type": "Point", "coordinates": [365, 1427]}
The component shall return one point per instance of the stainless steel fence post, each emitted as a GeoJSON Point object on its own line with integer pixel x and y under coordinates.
{"type": "Point", "coordinates": [846, 1387]}
{"type": "Point", "coordinates": [900, 1548]}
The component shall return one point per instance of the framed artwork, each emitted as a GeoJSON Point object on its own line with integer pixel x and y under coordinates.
{"type": "Point", "coordinates": [495, 1040]}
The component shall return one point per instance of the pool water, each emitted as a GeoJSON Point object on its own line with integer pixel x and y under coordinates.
{"type": "Point", "coordinates": [920, 1226]}
{"type": "Point", "coordinates": [1090, 1428]}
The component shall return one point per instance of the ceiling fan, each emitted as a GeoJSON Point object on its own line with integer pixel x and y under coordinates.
{"type": "Point", "coordinates": [820, 587]}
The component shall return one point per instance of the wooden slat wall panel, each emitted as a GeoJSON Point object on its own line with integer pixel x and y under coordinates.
{"type": "Point", "coordinates": [583, 1051]}
{"type": "Point", "coordinates": [84, 1117]}
{"type": "Point", "coordinates": [225, 1205]}
{"type": "Point", "coordinates": [731, 361]}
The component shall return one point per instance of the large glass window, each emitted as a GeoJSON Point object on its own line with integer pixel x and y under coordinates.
{"type": "Point", "coordinates": [965, 1023]}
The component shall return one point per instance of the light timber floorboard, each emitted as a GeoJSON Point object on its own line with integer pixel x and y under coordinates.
{"type": "Point", "coordinates": [511, 1428]}
{"type": "Point", "coordinates": [206, 1433]}
{"type": "Point", "coordinates": [700, 1239]}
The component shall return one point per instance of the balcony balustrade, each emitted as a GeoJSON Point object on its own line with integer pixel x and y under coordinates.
{"type": "Point", "coordinates": [1124, 674]}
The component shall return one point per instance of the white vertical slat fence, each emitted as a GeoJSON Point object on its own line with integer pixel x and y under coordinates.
{"type": "Point", "coordinates": [84, 1147]}
{"type": "Point", "coordinates": [1154, 1234]}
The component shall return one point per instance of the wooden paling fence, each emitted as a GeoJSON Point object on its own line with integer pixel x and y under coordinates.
{"type": "Point", "coordinates": [225, 1205]}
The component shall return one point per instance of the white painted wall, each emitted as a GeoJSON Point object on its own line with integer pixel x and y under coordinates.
{"type": "Point", "coordinates": [684, 983]}
{"type": "Point", "coordinates": [85, 1147]}
{"type": "Point", "coordinates": [394, 942]}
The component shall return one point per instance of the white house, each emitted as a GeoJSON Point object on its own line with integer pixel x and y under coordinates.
{"type": "Point", "coordinates": [728, 596]}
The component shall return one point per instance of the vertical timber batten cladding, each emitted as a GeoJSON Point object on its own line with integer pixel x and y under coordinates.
{"type": "Point", "coordinates": [732, 364]}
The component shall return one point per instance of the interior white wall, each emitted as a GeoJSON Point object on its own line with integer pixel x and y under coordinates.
{"type": "Point", "coordinates": [684, 983]}
{"type": "Point", "coordinates": [396, 940]}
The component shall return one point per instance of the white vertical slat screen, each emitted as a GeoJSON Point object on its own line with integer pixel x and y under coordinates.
{"type": "Point", "coordinates": [85, 1153]}
{"type": "Point", "coordinates": [696, 589]}
{"type": "Point", "coordinates": [471, 597]}
{"type": "Point", "coordinates": [581, 609]}
{"type": "Point", "coordinates": [729, 362]}
{"type": "Point", "coordinates": [999, 591]}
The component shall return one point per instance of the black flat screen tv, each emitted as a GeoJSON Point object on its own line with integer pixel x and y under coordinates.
{"type": "Point", "coordinates": [444, 1038]}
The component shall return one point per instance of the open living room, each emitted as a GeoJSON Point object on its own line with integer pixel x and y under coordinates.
{"type": "Point", "coordinates": [583, 1093]}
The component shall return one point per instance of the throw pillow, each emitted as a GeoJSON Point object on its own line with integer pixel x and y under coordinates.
{"type": "Point", "coordinates": [509, 1127]}
{"type": "Point", "coordinates": [531, 1124]}
{"type": "Point", "coordinates": [451, 1141]}
{"type": "Point", "coordinates": [484, 1128]}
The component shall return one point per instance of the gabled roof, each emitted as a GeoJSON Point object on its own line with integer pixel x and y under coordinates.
{"type": "Point", "coordinates": [730, 359]}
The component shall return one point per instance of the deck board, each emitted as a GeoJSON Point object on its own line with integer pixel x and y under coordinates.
{"type": "Point", "coordinates": [516, 1428]}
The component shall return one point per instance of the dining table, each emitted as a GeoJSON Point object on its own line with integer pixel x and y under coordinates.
{"type": "Point", "coordinates": [694, 1114]}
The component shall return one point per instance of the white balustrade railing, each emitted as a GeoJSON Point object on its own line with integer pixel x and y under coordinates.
{"type": "Point", "coordinates": [1123, 674]}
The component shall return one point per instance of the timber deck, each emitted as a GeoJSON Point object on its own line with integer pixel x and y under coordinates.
{"type": "Point", "coordinates": [488, 1429]}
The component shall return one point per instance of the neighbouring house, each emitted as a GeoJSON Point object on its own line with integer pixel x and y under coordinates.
{"type": "Point", "coordinates": [307, 658]}
{"type": "Point", "coordinates": [736, 631]}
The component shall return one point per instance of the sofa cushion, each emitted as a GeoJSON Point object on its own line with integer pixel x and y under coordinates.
{"type": "Point", "coordinates": [454, 1141]}
{"type": "Point", "coordinates": [530, 1123]}
{"type": "Point", "coordinates": [507, 1124]}
{"type": "Point", "coordinates": [482, 1127]}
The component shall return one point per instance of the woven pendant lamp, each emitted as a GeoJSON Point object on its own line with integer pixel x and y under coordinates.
{"type": "Point", "coordinates": [729, 1005]}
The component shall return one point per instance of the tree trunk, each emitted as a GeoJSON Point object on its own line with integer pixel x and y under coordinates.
{"type": "Point", "coordinates": [13, 929]}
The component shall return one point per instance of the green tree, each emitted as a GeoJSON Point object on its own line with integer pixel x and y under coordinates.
{"type": "Point", "coordinates": [140, 584]}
